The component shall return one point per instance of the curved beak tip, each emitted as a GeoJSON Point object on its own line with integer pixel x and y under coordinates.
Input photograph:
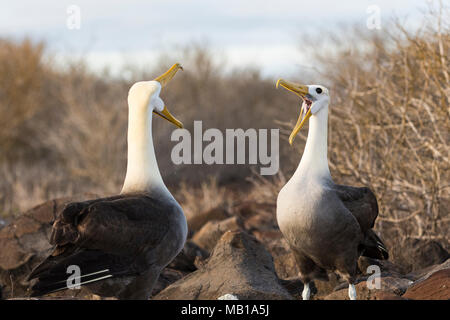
{"type": "Point", "coordinates": [278, 83]}
{"type": "Point", "coordinates": [165, 78]}
{"type": "Point", "coordinates": [291, 140]}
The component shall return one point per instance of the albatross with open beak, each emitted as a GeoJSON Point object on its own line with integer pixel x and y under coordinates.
{"type": "Point", "coordinates": [328, 226]}
{"type": "Point", "coordinates": [120, 244]}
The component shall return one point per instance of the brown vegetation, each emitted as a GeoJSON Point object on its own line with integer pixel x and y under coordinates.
{"type": "Point", "coordinates": [63, 132]}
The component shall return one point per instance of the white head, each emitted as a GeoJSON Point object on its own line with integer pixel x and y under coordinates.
{"type": "Point", "coordinates": [144, 96]}
{"type": "Point", "coordinates": [315, 98]}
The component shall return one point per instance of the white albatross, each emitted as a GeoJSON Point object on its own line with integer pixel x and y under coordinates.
{"type": "Point", "coordinates": [120, 244]}
{"type": "Point", "coordinates": [328, 226]}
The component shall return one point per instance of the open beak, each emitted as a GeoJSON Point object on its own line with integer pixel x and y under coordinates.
{"type": "Point", "coordinates": [165, 114]}
{"type": "Point", "coordinates": [301, 91]}
{"type": "Point", "coordinates": [164, 79]}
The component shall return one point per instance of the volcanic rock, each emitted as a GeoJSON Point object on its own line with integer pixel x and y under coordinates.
{"type": "Point", "coordinates": [391, 288]}
{"type": "Point", "coordinates": [425, 273]}
{"type": "Point", "coordinates": [416, 254]}
{"type": "Point", "coordinates": [188, 257]}
{"type": "Point", "coordinates": [434, 287]}
{"type": "Point", "coordinates": [211, 232]}
{"type": "Point", "coordinates": [239, 265]}
{"type": "Point", "coordinates": [197, 220]}
{"type": "Point", "coordinates": [24, 244]}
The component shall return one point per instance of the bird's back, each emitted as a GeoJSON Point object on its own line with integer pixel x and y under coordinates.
{"type": "Point", "coordinates": [119, 237]}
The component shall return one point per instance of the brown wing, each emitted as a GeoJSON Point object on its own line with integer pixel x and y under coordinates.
{"type": "Point", "coordinates": [362, 203]}
{"type": "Point", "coordinates": [105, 236]}
{"type": "Point", "coordinates": [122, 225]}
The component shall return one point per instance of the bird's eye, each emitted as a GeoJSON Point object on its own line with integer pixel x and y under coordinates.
{"type": "Point", "coordinates": [319, 90]}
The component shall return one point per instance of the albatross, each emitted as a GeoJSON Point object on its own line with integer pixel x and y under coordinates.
{"type": "Point", "coordinates": [328, 226]}
{"type": "Point", "coordinates": [120, 244]}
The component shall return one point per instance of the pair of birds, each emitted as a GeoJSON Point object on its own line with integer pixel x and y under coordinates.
{"type": "Point", "coordinates": [121, 244]}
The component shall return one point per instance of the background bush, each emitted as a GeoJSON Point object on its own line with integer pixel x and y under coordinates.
{"type": "Point", "coordinates": [64, 131]}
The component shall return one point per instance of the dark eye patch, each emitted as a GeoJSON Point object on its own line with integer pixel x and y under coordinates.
{"type": "Point", "coordinates": [319, 90]}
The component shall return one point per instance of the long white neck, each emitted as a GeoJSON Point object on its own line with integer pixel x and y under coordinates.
{"type": "Point", "coordinates": [142, 168]}
{"type": "Point", "coordinates": [314, 161]}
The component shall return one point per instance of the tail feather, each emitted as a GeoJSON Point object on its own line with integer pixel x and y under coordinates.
{"type": "Point", "coordinates": [54, 274]}
{"type": "Point", "coordinates": [46, 285]}
{"type": "Point", "coordinates": [374, 247]}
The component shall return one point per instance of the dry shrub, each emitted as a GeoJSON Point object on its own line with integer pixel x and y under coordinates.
{"type": "Point", "coordinates": [90, 137]}
{"type": "Point", "coordinates": [64, 131]}
{"type": "Point", "coordinates": [23, 186]}
{"type": "Point", "coordinates": [27, 87]}
{"type": "Point", "coordinates": [208, 196]}
{"type": "Point", "coordinates": [265, 190]}
{"type": "Point", "coordinates": [23, 79]}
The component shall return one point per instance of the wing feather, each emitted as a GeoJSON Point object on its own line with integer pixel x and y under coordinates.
{"type": "Point", "coordinates": [103, 234]}
{"type": "Point", "coordinates": [362, 203]}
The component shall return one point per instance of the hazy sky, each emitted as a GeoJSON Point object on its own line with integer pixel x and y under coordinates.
{"type": "Point", "coordinates": [265, 34]}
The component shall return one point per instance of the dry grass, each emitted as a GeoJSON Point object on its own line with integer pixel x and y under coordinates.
{"type": "Point", "coordinates": [64, 131]}
{"type": "Point", "coordinates": [23, 88]}
{"type": "Point", "coordinates": [208, 196]}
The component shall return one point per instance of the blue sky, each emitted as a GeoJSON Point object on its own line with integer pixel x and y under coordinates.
{"type": "Point", "coordinates": [264, 34]}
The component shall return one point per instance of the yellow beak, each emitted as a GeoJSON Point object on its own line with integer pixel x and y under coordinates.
{"type": "Point", "coordinates": [165, 114]}
{"type": "Point", "coordinates": [164, 79]}
{"type": "Point", "coordinates": [168, 75]}
{"type": "Point", "coordinates": [301, 91]}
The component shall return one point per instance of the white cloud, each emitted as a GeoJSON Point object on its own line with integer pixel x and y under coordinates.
{"type": "Point", "coordinates": [256, 31]}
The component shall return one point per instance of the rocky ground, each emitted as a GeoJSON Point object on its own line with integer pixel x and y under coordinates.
{"type": "Point", "coordinates": [242, 254]}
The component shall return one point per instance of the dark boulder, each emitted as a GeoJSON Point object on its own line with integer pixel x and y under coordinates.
{"type": "Point", "coordinates": [239, 265]}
